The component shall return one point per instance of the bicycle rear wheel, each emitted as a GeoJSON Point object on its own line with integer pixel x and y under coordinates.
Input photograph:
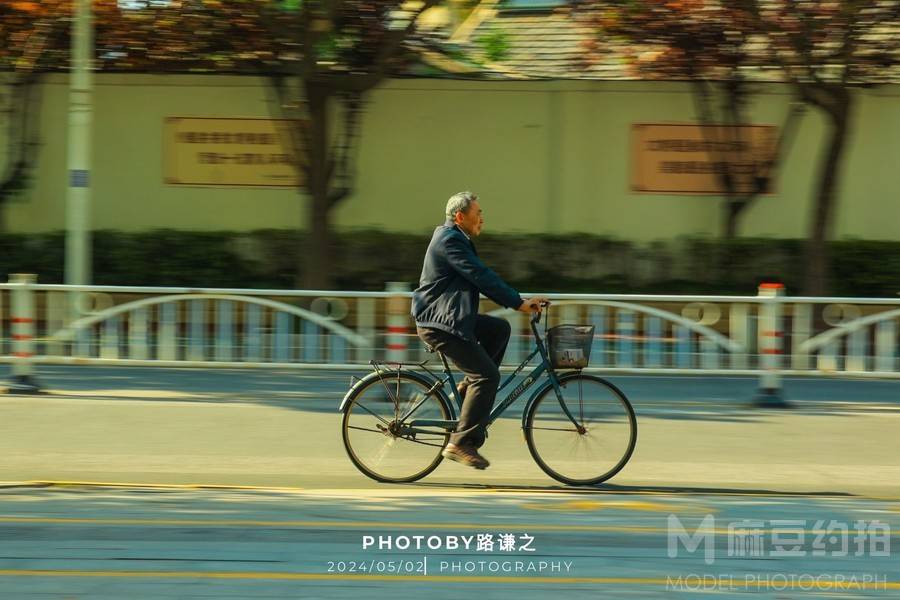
{"type": "Point", "coordinates": [376, 434]}
{"type": "Point", "coordinates": [596, 445]}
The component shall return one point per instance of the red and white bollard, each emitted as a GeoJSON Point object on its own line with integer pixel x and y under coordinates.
{"type": "Point", "coordinates": [23, 329]}
{"type": "Point", "coordinates": [397, 322]}
{"type": "Point", "coordinates": [771, 347]}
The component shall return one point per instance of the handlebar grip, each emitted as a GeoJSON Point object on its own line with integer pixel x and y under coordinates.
{"type": "Point", "coordinates": [536, 315]}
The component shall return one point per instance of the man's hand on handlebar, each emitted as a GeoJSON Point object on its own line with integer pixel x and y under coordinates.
{"type": "Point", "coordinates": [536, 304]}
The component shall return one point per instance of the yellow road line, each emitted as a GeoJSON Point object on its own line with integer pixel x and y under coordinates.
{"type": "Point", "coordinates": [380, 525]}
{"type": "Point", "coordinates": [162, 486]}
{"type": "Point", "coordinates": [850, 584]}
{"type": "Point", "coordinates": [436, 489]}
{"type": "Point", "coordinates": [605, 504]}
{"type": "Point", "coordinates": [398, 490]}
{"type": "Point", "coordinates": [329, 524]}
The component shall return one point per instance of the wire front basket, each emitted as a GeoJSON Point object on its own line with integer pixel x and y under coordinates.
{"type": "Point", "coordinates": [570, 346]}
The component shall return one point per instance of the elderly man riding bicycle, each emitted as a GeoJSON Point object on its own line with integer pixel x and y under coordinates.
{"type": "Point", "coordinates": [445, 308]}
{"type": "Point", "coordinates": [399, 422]}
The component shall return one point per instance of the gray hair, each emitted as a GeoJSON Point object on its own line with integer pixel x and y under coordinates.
{"type": "Point", "coordinates": [459, 203]}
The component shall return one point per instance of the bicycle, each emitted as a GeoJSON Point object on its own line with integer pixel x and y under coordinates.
{"type": "Point", "coordinates": [397, 421]}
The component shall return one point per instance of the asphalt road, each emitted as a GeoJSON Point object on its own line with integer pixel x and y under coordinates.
{"type": "Point", "coordinates": [151, 483]}
{"type": "Point", "coordinates": [282, 429]}
{"type": "Point", "coordinates": [135, 543]}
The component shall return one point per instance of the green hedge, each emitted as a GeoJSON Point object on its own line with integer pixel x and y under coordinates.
{"type": "Point", "coordinates": [367, 259]}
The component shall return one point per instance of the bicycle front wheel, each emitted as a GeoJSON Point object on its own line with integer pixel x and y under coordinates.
{"type": "Point", "coordinates": [585, 438]}
{"type": "Point", "coordinates": [377, 433]}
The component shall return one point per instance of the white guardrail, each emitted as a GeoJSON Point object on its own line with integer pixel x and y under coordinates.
{"type": "Point", "coordinates": [767, 335]}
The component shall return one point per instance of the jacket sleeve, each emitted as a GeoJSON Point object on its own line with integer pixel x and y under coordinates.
{"type": "Point", "coordinates": [465, 262]}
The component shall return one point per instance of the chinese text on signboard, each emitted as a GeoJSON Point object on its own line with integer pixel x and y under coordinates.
{"type": "Point", "coordinates": [690, 159]}
{"type": "Point", "coordinates": [222, 151]}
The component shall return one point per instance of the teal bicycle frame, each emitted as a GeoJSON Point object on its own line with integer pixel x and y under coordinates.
{"type": "Point", "coordinates": [450, 425]}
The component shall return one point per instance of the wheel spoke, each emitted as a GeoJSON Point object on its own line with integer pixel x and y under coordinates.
{"type": "Point", "coordinates": [388, 391]}
{"type": "Point", "coordinates": [397, 398]}
{"type": "Point", "coordinates": [580, 402]}
{"type": "Point", "coordinates": [555, 429]}
{"type": "Point", "coordinates": [378, 431]}
{"type": "Point", "coordinates": [362, 406]}
{"type": "Point", "coordinates": [423, 443]}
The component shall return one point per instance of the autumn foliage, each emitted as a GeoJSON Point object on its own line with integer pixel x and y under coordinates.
{"type": "Point", "coordinates": [818, 41]}
{"type": "Point", "coordinates": [204, 36]}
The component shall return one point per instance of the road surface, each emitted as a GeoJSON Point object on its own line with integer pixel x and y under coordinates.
{"type": "Point", "coordinates": [164, 483]}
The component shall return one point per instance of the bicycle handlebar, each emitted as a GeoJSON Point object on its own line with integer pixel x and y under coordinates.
{"type": "Point", "coordinates": [536, 315]}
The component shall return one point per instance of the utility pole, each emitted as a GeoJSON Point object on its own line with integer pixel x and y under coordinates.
{"type": "Point", "coordinates": [78, 197]}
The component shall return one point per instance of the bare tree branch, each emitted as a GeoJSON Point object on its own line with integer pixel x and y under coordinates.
{"type": "Point", "coordinates": [297, 127]}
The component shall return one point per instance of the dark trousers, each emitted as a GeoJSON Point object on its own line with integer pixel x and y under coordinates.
{"type": "Point", "coordinates": [479, 362]}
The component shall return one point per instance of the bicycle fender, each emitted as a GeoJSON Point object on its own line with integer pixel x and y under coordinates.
{"type": "Point", "coordinates": [353, 388]}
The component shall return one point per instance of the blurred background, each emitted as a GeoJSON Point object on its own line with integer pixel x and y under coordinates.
{"type": "Point", "coordinates": [248, 188]}
{"type": "Point", "coordinates": [660, 148]}
{"type": "Point", "coordinates": [680, 147]}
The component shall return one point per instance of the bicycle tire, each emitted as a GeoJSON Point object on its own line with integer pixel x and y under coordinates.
{"type": "Point", "coordinates": [607, 397]}
{"type": "Point", "coordinates": [370, 409]}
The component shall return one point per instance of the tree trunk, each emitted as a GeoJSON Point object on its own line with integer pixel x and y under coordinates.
{"type": "Point", "coordinates": [816, 281]}
{"type": "Point", "coordinates": [317, 264]}
{"type": "Point", "coordinates": [21, 142]}
{"type": "Point", "coordinates": [725, 262]}
{"type": "Point", "coordinates": [733, 210]}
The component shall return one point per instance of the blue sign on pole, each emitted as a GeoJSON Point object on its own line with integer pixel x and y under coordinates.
{"type": "Point", "coordinates": [78, 178]}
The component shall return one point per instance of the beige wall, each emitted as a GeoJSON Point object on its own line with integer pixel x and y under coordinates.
{"type": "Point", "coordinates": [544, 156]}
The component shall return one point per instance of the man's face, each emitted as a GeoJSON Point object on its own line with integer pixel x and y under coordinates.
{"type": "Point", "coordinates": [471, 221]}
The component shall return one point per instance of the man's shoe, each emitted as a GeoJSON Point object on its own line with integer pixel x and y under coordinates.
{"type": "Point", "coordinates": [465, 455]}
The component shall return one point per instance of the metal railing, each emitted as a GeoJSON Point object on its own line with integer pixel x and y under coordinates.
{"type": "Point", "coordinates": [753, 335]}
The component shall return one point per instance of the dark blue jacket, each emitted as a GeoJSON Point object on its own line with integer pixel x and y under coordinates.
{"type": "Point", "coordinates": [452, 277]}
